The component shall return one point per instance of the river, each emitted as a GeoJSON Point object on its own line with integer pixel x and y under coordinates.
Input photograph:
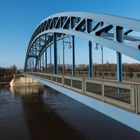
{"type": "Point", "coordinates": [30, 114]}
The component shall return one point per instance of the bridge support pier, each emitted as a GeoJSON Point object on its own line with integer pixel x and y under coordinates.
{"type": "Point", "coordinates": [119, 38]}
{"type": "Point", "coordinates": [55, 55]}
{"type": "Point", "coordinates": [90, 60]}
{"type": "Point", "coordinates": [73, 56]}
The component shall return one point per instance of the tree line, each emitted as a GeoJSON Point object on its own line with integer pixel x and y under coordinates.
{"type": "Point", "coordinates": [7, 71]}
{"type": "Point", "coordinates": [135, 67]}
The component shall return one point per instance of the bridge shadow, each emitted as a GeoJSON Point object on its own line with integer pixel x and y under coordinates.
{"type": "Point", "coordinates": [42, 121]}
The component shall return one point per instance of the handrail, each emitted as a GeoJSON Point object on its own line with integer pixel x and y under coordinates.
{"type": "Point", "coordinates": [124, 95]}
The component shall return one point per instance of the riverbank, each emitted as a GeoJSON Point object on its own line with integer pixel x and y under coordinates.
{"type": "Point", "coordinates": [5, 84]}
{"type": "Point", "coordinates": [5, 80]}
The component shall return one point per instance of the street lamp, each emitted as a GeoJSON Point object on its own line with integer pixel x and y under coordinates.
{"type": "Point", "coordinates": [101, 47]}
{"type": "Point", "coordinates": [69, 46]}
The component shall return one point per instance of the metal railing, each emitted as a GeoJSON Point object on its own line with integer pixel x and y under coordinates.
{"type": "Point", "coordinates": [124, 95]}
{"type": "Point", "coordinates": [107, 74]}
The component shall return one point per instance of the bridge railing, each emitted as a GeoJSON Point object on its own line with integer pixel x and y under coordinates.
{"type": "Point", "coordinates": [124, 95]}
{"type": "Point", "coordinates": [130, 75]}
{"type": "Point", "coordinates": [119, 94]}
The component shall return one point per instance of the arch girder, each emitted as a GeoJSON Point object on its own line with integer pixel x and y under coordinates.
{"type": "Point", "coordinates": [99, 28]}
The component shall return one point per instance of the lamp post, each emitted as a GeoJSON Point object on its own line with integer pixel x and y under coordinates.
{"type": "Point", "coordinates": [102, 55]}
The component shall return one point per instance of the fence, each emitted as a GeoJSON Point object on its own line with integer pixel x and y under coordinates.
{"type": "Point", "coordinates": [124, 95]}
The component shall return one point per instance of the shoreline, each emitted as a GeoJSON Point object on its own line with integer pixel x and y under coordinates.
{"type": "Point", "coordinates": [4, 84]}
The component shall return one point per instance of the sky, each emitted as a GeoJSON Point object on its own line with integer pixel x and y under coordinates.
{"type": "Point", "coordinates": [18, 18]}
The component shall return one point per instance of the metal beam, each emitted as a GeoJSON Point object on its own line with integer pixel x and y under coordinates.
{"type": "Point", "coordinates": [55, 55]}
{"type": "Point", "coordinates": [40, 66]}
{"type": "Point", "coordinates": [123, 48]}
{"type": "Point", "coordinates": [73, 56]}
{"type": "Point", "coordinates": [90, 60]}
{"type": "Point", "coordinates": [119, 37]}
{"type": "Point", "coordinates": [42, 62]}
{"type": "Point", "coordinates": [94, 31]}
{"type": "Point", "coordinates": [46, 60]}
{"type": "Point", "coordinates": [50, 59]}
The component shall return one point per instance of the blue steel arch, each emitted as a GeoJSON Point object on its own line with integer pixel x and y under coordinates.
{"type": "Point", "coordinates": [110, 31]}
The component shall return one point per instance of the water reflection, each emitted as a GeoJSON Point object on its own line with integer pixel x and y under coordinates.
{"type": "Point", "coordinates": [40, 113]}
{"type": "Point", "coordinates": [12, 122]}
{"type": "Point", "coordinates": [27, 90]}
{"type": "Point", "coordinates": [43, 122]}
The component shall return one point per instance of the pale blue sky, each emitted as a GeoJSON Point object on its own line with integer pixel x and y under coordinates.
{"type": "Point", "coordinates": [18, 18]}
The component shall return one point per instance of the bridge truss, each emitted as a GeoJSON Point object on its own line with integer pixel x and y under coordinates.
{"type": "Point", "coordinates": [117, 33]}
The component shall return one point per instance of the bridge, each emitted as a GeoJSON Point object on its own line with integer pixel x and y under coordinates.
{"type": "Point", "coordinates": [119, 34]}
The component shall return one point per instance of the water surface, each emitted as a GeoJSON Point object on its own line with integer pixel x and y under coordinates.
{"type": "Point", "coordinates": [28, 113]}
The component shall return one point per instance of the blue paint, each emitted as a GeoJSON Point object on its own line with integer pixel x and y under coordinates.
{"type": "Point", "coordinates": [55, 55]}
{"type": "Point", "coordinates": [119, 38]}
{"type": "Point", "coordinates": [90, 60]}
{"type": "Point", "coordinates": [73, 56]}
{"type": "Point", "coordinates": [119, 67]}
{"type": "Point", "coordinates": [46, 60]}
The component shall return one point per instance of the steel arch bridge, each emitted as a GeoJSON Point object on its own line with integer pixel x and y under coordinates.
{"type": "Point", "coordinates": [117, 33]}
